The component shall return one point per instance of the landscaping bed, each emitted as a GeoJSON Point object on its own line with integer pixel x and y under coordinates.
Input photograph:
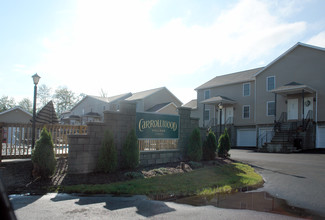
{"type": "Point", "coordinates": [63, 182]}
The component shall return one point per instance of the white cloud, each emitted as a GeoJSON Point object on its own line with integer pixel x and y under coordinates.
{"type": "Point", "coordinates": [318, 40]}
{"type": "Point", "coordinates": [115, 46]}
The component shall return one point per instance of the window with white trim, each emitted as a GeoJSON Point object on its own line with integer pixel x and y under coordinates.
{"type": "Point", "coordinates": [246, 109]}
{"type": "Point", "coordinates": [206, 115]}
{"type": "Point", "coordinates": [270, 83]}
{"type": "Point", "coordinates": [206, 94]}
{"type": "Point", "coordinates": [270, 108]}
{"type": "Point", "coordinates": [246, 89]}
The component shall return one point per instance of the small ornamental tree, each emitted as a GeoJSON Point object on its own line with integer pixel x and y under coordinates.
{"type": "Point", "coordinates": [130, 151]}
{"type": "Point", "coordinates": [224, 145]}
{"type": "Point", "coordinates": [210, 147]}
{"type": "Point", "coordinates": [43, 156]}
{"type": "Point", "coordinates": [194, 150]}
{"type": "Point", "coordinates": [107, 161]}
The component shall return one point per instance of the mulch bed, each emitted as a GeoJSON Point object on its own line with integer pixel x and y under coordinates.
{"type": "Point", "coordinates": [17, 176]}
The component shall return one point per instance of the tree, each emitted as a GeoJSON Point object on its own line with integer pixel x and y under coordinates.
{"type": "Point", "coordinates": [210, 147]}
{"type": "Point", "coordinates": [64, 99]}
{"type": "Point", "coordinates": [224, 145]}
{"type": "Point", "coordinates": [43, 156]}
{"type": "Point", "coordinates": [107, 161]}
{"type": "Point", "coordinates": [43, 95]}
{"type": "Point", "coordinates": [26, 104]}
{"type": "Point", "coordinates": [130, 151]}
{"type": "Point", "coordinates": [194, 150]}
{"type": "Point", "coordinates": [103, 93]}
{"type": "Point", "coordinates": [6, 103]}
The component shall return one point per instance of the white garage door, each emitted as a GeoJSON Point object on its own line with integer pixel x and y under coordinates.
{"type": "Point", "coordinates": [320, 137]}
{"type": "Point", "coordinates": [246, 137]}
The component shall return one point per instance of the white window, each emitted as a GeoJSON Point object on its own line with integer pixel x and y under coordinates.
{"type": "Point", "coordinates": [246, 109]}
{"type": "Point", "coordinates": [270, 108]}
{"type": "Point", "coordinates": [206, 94]}
{"type": "Point", "coordinates": [270, 83]}
{"type": "Point", "coordinates": [246, 89]}
{"type": "Point", "coordinates": [206, 115]}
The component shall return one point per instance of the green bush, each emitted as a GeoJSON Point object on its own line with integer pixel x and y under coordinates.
{"type": "Point", "coordinates": [43, 156]}
{"type": "Point", "coordinates": [194, 150]}
{"type": "Point", "coordinates": [210, 147]}
{"type": "Point", "coordinates": [107, 161]}
{"type": "Point", "coordinates": [224, 145]}
{"type": "Point", "coordinates": [130, 151]}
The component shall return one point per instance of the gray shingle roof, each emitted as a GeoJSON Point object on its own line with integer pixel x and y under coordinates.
{"type": "Point", "coordinates": [112, 98]}
{"type": "Point", "coordinates": [232, 78]}
{"type": "Point", "coordinates": [143, 94]}
{"type": "Point", "coordinates": [191, 104]}
{"type": "Point", "coordinates": [157, 107]}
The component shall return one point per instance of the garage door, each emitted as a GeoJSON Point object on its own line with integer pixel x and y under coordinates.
{"type": "Point", "coordinates": [246, 138]}
{"type": "Point", "coordinates": [320, 137]}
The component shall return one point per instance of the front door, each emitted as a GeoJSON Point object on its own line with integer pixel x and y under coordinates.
{"type": "Point", "coordinates": [292, 109]}
{"type": "Point", "coordinates": [308, 106]}
{"type": "Point", "coordinates": [229, 115]}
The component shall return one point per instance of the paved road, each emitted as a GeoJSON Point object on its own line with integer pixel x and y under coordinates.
{"type": "Point", "coordinates": [63, 206]}
{"type": "Point", "coordinates": [298, 178]}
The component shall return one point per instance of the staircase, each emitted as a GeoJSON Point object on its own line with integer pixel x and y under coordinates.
{"type": "Point", "coordinates": [283, 139]}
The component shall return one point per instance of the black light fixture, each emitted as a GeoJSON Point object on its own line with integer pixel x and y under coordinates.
{"type": "Point", "coordinates": [220, 109]}
{"type": "Point", "coordinates": [36, 79]}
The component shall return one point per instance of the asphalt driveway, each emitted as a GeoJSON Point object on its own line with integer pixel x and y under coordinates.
{"type": "Point", "coordinates": [298, 178]}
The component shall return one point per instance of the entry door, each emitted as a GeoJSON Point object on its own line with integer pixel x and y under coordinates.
{"type": "Point", "coordinates": [308, 105]}
{"type": "Point", "coordinates": [229, 115]}
{"type": "Point", "coordinates": [292, 109]}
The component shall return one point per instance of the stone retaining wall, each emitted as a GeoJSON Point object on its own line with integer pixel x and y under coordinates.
{"type": "Point", "coordinates": [159, 157]}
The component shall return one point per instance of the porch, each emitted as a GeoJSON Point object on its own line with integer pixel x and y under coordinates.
{"type": "Point", "coordinates": [295, 129]}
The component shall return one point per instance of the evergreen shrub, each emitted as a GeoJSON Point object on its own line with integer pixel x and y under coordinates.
{"type": "Point", "coordinates": [224, 145]}
{"type": "Point", "coordinates": [210, 147]}
{"type": "Point", "coordinates": [130, 151]}
{"type": "Point", "coordinates": [43, 156]}
{"type": "Point", "coordinates": [107, 160]}
{"type": "Point", "coordinates": [194, 150]}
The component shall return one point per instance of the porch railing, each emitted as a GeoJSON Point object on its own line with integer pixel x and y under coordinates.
{"type": "Point", "coordinates": [16, 139]}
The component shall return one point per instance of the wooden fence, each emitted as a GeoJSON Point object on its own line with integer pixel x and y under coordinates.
{"type": "Point", "coordinates": [16, 139]}
{"type": "Point", "coordinates": [160, 144]}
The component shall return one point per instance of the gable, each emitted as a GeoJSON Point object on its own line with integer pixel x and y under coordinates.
{"type": "Point", "coordinates": [15, 115]}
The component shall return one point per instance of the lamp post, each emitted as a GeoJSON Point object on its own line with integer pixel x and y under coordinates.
{"type": "Point", "coordinates": [35, 80]}
{"type": "Point", "coordinates": [220, 121]}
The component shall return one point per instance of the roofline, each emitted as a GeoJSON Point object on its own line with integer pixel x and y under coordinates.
{"type": "Point", "coordinates": [16, 107]}
{"type": "Point", "coordinates": [157, 89]}
{"type": "Point", "coordinates": [166, 106]}
{"type": "Point", "coordinates": [287, 52]}
{"type": "Point", "coordinates": [226, 84]}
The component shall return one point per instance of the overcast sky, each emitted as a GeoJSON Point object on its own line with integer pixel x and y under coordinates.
{"type": "Point", "coordinates": [130, 46]}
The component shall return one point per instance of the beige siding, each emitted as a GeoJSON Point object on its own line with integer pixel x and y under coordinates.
{"type": "Point", "coordinates": [234, 92]}
{"type": "Point", "coordinates": [302, 65]}
{"type": "Point", "coordinates": [15, 116]}
{"type": "Point", "coordinates": [169, 109]}
{"type": "Point", "coordinates": [90, 104]}
{"type": "Point", "coordinates": [162, 96]}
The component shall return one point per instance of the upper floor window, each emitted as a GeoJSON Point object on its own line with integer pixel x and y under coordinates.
{"type": "Point", "coordinates": [206, 94]}
{"type": "Point", "coordinates": [246, 111]}
{"type": "Point", "coordinates": [270, 83]}
{"type": "Point", "coordinates": [270, 108]}
{"type": "Point", "coordinates": [246, 89]}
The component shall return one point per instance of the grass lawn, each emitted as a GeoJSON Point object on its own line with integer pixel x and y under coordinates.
{"type": "Point", "coordinates": [203, 181]}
